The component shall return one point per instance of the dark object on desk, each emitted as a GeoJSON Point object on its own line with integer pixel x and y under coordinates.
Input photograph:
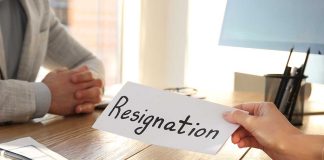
{"type": "Point", "coordinates": [291, 104]}
{"type": "Point", "coordinates": [105, 102]}
{"type": "Point", "coordinates": [283, 82]}
{"type": "Point", "coordinates": [186, 91]}
{"type": "Point", "coordinates": [289, 96]}
{"type": "Point", "coordinates": [12, 155]}
{"type": "Point", "coordinates": [102, 105]}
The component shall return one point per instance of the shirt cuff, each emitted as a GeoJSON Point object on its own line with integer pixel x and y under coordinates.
{"type": "Point", "coordinates": [43, 99]}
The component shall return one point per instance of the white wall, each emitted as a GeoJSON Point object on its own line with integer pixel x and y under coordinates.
{"type": "Point", "coordinates": [211, 66]}
{"type": "Point", "coordinates": [130, 24]}
{"type": "Point", "coordinates": [163, 42]}
{"type": "Point", "coordinates": [171, 43]}
{"type": "Point", "coordinates": [154, 42]}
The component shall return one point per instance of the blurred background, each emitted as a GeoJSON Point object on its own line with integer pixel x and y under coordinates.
{"type": "Point", "coordinates": [168, 43]}
{"type": "Point", "coordinates": [95, 25]}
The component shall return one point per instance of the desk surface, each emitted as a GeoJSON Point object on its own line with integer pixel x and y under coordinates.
{"type": "Point", "coordinates": [73, 137]}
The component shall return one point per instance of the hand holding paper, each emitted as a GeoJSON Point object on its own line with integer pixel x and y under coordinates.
{"type": "Point", "coordinates": [268, 129]}
{"type": "Point", "coordinates": [166, 119]}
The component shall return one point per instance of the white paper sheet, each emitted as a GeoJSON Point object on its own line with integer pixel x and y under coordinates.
{"type": "Point", "coordinates": [30, 148]}
{"type": "Point", "coordinates": [192, 124]}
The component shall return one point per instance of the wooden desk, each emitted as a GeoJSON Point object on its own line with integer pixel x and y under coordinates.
{"type": "Point", "coordinates": [73, 137]}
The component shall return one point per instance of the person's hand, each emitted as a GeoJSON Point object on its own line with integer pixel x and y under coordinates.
{"type": "Point", "coordinates": [264, 128]}
{"type": "Point", "coordinates": [88, 97]}
{"type": "Point", "coordinates": [63, 91]}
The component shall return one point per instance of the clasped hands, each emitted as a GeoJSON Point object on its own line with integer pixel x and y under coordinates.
{"type": "Point", "coordinates": [73, 91]}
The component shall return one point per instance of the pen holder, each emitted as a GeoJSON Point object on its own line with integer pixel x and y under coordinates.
{"type": "Point", "coordinates": [272, 84]}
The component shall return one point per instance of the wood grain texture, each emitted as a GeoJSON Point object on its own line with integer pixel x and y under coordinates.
{"type": "Point", "coordinates": [228, 152]}
{"type": "Point", "coordinates": [73, 137]}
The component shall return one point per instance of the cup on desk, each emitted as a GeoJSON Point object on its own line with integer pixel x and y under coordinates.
{"type": "Point", "coordinates": [272, 83]}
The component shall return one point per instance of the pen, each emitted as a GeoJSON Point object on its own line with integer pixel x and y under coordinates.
{"type": "Point", "coordinates": [283, 82]}
{"type": "Point", "coordinates": [293, 98]}
{"type": "Point", "coordinates": [12, 155]}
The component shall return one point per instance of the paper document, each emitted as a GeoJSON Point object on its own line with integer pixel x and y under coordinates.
{"type": "Point", "coordinates": [167, 119]}
{"type": "Point", "coordinates": [31, 149]}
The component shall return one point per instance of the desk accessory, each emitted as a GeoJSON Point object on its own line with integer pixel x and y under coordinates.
{"type": "Point", "coordinates": [290, 93]}
{"type": "Point", "coordinates": [186, 91]}
{"type": "Point", "coordinates": [11, 155]}
{"type": "Point", "coordinates": [291, 104]}
{"type": "Point", "coordinates": [26, 149]}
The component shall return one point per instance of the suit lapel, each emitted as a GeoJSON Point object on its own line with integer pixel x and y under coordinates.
{"type": "Point", "coordinates": [3, 66]}
{"type": "Point", "coordinates": [27, 57]}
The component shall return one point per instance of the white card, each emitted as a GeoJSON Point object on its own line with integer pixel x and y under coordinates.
{"type": "Point", "coordinates": [167, 119]}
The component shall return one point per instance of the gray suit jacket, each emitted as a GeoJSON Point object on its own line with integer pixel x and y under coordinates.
{"type": "Point", "coordinates": [46, 43]}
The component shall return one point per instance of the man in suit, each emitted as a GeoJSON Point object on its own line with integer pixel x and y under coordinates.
{"type": "Point", "coordinates": [31, 36]}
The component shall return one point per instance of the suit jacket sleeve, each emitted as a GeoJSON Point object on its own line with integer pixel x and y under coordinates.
{"type": "Point", "coordinates": [64, 51]}
{"type": "Point", "coordinates": [17, 101]}
{"type": "Point", "coordinates": [17, 98]}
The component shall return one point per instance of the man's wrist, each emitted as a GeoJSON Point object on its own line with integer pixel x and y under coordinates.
{"type": "Point", "coordinates": [43, 99]}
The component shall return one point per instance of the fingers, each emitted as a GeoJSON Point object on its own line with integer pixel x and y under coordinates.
{"type": "Point", "coordinates": [240, 117]}
{"type": "Point", "coordinates": [249, 107]}
{"type": "Point", "coordinates": [93, 83]}
{"type": "Point", "coordinates": [236, 116]}
{"type": "Point", "coordinates": [78, 70]}
{"type": "Point", "coordinates": [256, 108]}
{"type": "Point", "coordinates": [92, 95]}
{"type": "Point", "coordinates": [248, 142]}
{"type": "Point", "coordinates": [84, 108]}
{"type": "Point", "coordinates": [85, 76]}
{"type": "Point", "coordinates": [82, 74]}
{"type": "Point", "coordinates": [239, 134]}
{"type": "Point", "coordinates": [243, 119]}
{"type": "Point", "coordinates": [243, 138]}
{"type": "Point", "coordinates": [228, 116]}
{"type": "Point", "coordinates": [64, 91]}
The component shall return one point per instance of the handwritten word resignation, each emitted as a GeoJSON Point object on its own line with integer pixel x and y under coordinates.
{"type": "Point", "coordinates": [184, 127]}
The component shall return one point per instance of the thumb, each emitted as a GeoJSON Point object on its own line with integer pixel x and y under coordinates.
{"type": "Point", "coordinates": [85, 108]}
{"type": "Point", "coordinates": [238, 117]}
